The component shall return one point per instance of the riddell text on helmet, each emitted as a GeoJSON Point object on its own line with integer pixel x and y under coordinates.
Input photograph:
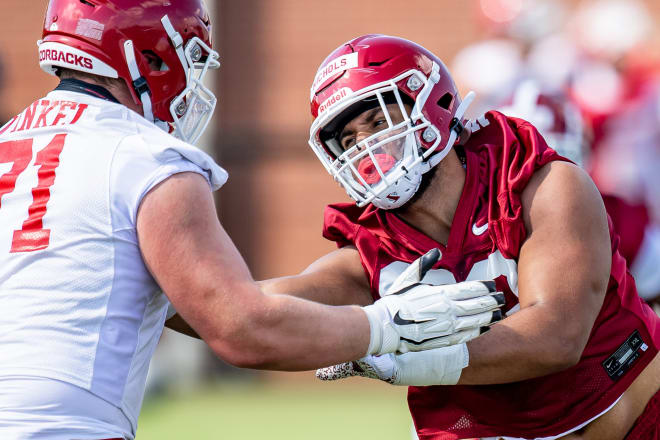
{"type": "Point", "coordinates": [65, 57]}
{"type": "Point", "coordinates": [334, 99]}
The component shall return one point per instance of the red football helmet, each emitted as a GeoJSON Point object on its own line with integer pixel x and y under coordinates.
{"type": "Point", "coordinates": [118, 38]}
{"type": "Point", "coordinates": [376, 71]}
{"type": "Point", "coordinates": [556, 118]}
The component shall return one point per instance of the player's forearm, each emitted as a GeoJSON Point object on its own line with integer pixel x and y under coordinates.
{"type": "Point", "coordinates": [179, 325]}
{"type": "Point", "coordinates": [281, 332]}
{"type": "Point", "coordinates": [523, 346]}
{"type": "Point", "coordinates": [292, 286]}
{"type": "Point", "coordinates": [321, 289]}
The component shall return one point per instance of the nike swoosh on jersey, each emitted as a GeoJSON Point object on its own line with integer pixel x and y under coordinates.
{"type": "Point", "coordinates": [479, 230]}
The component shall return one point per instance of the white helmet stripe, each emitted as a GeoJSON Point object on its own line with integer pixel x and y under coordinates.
{"type": "Point", "coordinates": [52, 54]}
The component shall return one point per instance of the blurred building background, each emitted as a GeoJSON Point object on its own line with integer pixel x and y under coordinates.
{"type": "Point", "coordinates": [273, 202]}
{"type": "Point", "coordinates": [270, 51]}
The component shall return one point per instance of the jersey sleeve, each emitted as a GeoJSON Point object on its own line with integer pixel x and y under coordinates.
{"type": "Point", "coordinates": [138, 166]}
{"type": "Point", "coordinates": [340, 223]}
{"type": "Point", "coordinates": [513, 160]}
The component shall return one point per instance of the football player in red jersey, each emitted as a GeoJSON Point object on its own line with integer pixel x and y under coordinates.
{"type": "Point", "coordinates": [576, 354]}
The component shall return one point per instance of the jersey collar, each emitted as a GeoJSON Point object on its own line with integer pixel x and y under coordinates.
{"type": "Point", "coordinates": [75, 85]}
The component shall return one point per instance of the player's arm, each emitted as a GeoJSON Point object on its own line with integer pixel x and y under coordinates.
{"type": "Point", "coordinates": [563, 271]}
{"type": "Point", "coordinates": [336, 279]}
{"type": "Point", "coordinates": [179, 325]}
{"type": "Point", "coordinates": [198, 267]}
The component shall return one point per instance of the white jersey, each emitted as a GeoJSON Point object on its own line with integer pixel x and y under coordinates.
{"type": "Point", "coordinates": [77, 303]}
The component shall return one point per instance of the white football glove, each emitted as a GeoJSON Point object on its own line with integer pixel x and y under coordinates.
{"type": "Point", "coordinates": [441, 366]}
{"type": "Point", "coordinates": [415, 316]}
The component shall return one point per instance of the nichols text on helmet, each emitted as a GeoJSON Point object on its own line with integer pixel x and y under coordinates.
{"type": "Point", "coordinates": [335, 66]}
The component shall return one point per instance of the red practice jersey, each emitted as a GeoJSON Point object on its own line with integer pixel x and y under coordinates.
{"type": "Point", "coordinates": [484, 243]}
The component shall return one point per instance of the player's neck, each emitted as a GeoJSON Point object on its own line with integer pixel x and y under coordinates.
{"type": "Point", "coordinates": [119, 90]}
{"type": "Point", "coordinates": [433, 212]}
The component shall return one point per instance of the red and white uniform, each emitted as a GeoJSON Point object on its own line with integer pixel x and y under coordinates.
{"type": "Point", "coordinates": [484, 243]}
{"type": "Point", "coordinates": [80, 314]}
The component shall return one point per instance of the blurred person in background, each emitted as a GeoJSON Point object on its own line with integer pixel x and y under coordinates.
{"type": "Point", "coordinates": [106, 204]}
{"type": "Point", "coordinates": [596, 72]}
{"type": "Point", "coordinates": [513, 29]}
{"type": "Point", "coordinates": [577, 354]}
{"type": "Point", "coordinates": [616, 84]}
{"type": "Point", "coordinates": [559, 121]}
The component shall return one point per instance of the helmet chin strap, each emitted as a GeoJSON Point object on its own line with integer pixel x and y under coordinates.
{"type": "Point", "coordinates": [177, 42]}
{"type": "Point", "coordinates": [139, 82]}
{"type": "Point", "coordinates": [455, 132]}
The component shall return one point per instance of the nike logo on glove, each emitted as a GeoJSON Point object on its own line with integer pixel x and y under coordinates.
{"type": "Point", "coordinates": [402, 321]}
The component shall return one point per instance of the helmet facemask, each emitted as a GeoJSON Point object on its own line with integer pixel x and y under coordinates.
{"type": "Point", "coordinates": [193, 108]}
{"type": "Point", "coordinates": [377, 169]}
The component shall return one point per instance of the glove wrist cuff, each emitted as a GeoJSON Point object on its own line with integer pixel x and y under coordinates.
{"type": "Point", "coordinates": [461, 360]}
{"type": "Point", "coordinates": [383, 337]}
{"type": "Point", "coordinates": [441, 366]}
{"type": "Point", "coordinates": [375, 334]}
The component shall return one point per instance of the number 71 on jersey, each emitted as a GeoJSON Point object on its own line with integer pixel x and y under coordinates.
{"type": "Point", "coordinates": [32, 236]}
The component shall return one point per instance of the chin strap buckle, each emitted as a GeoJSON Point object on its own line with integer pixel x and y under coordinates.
{"type": "Point", "coordinates": [457, 126]}
{"type": "Point", "coordinates": [141, 87]}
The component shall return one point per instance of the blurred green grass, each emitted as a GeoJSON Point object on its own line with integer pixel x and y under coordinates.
{"type": "Point", "coordinates": [279, 409]}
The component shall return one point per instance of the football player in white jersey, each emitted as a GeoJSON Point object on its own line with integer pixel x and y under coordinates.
{"type": "Point", "coordinates": [101, 210]}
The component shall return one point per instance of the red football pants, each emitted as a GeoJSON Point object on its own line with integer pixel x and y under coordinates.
{"type": "Point", "coordinates": [647, 426]}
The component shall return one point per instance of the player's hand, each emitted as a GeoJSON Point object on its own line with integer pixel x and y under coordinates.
{"type": "Point", "coordinates": [414, 316]}
{"type": "Point", "coordinates": [441, 366]}
{"type": "Point", "coordinates": [414, 273]}
{"type": "Point", "coordinates": [374, 367]}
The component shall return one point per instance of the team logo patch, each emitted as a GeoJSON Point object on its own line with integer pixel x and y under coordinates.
{"type": "Point", "coordinates": [90, 29]}
{"type": "Point", "coordinates": [622, 359]}
{"type": "Point", "coordinates": [335, 66]}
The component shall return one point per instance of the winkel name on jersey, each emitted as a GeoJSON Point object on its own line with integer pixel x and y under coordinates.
{"type": "Point", "coordinates": [45, 113]}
